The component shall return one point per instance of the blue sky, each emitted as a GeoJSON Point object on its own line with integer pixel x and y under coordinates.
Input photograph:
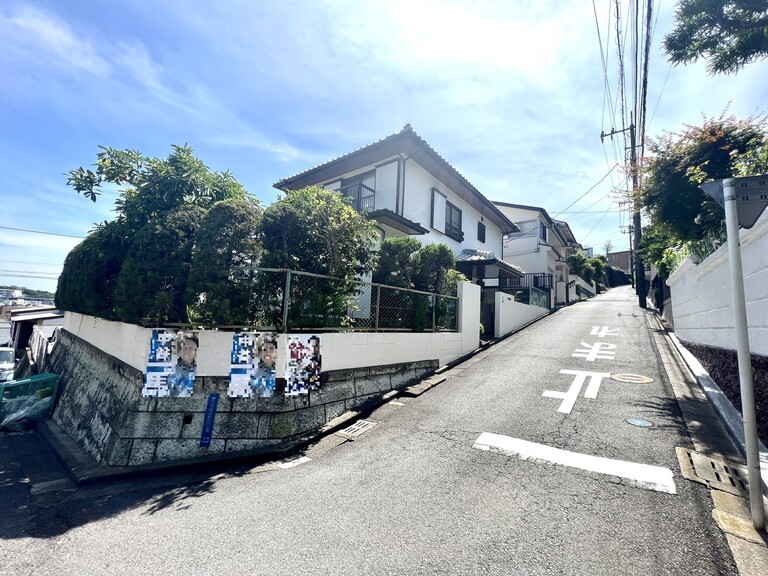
{"type": "Point", "coordinates": [511, 93]}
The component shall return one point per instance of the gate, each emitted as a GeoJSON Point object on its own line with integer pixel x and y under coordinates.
{"type": "Point", "coordinates": [488, 310]}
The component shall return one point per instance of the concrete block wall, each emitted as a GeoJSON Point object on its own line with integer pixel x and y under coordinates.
{"type": "Point", "coordinates": [511, 315]}
{"type": "Point", "coordinates": [702, 295]}
{"type": "Point", "coordinates": [101, 364]}
{"type": "Point", "coordinates": [101, 407]}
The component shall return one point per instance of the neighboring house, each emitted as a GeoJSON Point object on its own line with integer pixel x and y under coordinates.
{"type": "Point", "coordinates": [409, 189]}
{"type": "Point", "coordinates": [24, 320]}
{"type": "Point", "coordinates": [621, 261]}
{"type": "Point", "coordinates": [540, 249]}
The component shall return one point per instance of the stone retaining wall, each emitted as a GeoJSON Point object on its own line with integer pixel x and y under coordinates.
{"type": "Point", "coordinates": [101, 407]}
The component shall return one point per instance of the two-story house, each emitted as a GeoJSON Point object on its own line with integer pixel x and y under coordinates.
{"type": "Point", "coordinates": [621, 260]}
{"type": "Point", "coordinates": [403, 184]}
{"type": "Point", "coordinates": [540, 248]}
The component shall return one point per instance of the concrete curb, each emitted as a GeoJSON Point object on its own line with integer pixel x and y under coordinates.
{"type": "Point", "coordinates": [729, 416]}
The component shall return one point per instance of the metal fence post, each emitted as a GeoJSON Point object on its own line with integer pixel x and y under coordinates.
{"type": "Point", "coordinates": [286, 298]}
{"type": "Point", "coordinates": [378, 306]}
{"type": "Point", "coordinates": [434, 309]}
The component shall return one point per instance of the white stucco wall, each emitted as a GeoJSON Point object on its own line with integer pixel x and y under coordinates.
{"type": "Point", "coordinates": [130, 343]}
{"type": "Point", "coordinates": [511, 315]}
{"type": "Point", "coordinates": [418, 208]}
{"type": "Point", "coordinates": [386, 186]}
{"type": "Point", "coordinates": [702, 299]}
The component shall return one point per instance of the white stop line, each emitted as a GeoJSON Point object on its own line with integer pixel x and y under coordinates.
{"type": "Point", "coordinates": [641, 475]}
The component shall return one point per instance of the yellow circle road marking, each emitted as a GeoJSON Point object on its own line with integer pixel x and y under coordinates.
{"type": "Point", "coordinates": [631, 378]}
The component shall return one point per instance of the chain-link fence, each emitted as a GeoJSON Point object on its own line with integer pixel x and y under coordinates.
{"type": "Point", "coordinates": [288, 300]}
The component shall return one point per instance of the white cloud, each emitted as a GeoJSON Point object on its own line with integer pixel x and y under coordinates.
{"type": "Point", "coordinates": [40, 37]}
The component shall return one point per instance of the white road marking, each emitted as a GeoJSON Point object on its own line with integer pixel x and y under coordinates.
{"type": "Point", "coordinates": [294, 462]}
{"type": "Point", "coordinates": [569, 396]}
{"type": "Point", "coordinates": [641, 475]}
{"type": "Point", "coordinates": [596, 351]}
{"type": "Point", "coordinates": [603, 331]}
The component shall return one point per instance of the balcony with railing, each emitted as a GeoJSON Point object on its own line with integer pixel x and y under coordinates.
{"type": "Point", "coordinates": [363, 198]}
{"type": "Point", "coordinates": [528, 280]}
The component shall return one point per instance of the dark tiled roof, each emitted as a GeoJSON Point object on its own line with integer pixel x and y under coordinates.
{"type": "Point", "coordinates": [406, 141]}
{"type": "Point", "coordinates": [485, 257]}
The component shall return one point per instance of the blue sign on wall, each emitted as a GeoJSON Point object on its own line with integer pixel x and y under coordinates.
{"type": "Point", "coordinates": [210, 415]}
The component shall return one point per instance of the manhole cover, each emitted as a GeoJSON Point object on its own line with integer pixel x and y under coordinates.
{"type": "Point", "coordinates": [639, 422]}
{"type": "Point", "coordinates": [631, 378]}
{"type": "Point", "coordinates": [358, 428]}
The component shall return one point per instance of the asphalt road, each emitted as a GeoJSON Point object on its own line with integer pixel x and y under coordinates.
{"type": "Point", "coordinates": [413, 496]}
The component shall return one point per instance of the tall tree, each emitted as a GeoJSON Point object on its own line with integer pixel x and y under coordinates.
{"type": "Point", "coordinates": [682, 217]}
{"type": "Point", "coordinates": [220, 288]}
{"type": "Point", "coordinates": [727, 33]}
{"type": "Point", "coordinates": [152, 186]}
{"type": "Point", "coordinates": [149, 209]}
{"type": "Point", "coordinates": [316, 230]}
{"type": "Point", "coordinates": [397, 260]}
{"type": "Point", "coordinates": [432, 263]}
{"type": "Point", "coordinates": [681, 161]}
{"type": "Point", "coordinates": [152, 282]}
{"type": "Point", "coordinates": [88, 279]}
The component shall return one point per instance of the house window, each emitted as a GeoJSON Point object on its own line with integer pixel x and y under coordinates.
{"type": "Point", "coordinates": [361, 190]}
{"type": "Point", "coordinates": [453, 222]}
{"type": "Point", "coordinates": [481, 231]}
{"type": "Point", "coordinates": [526, 227]}
{"type": "Point", "coordinates": [542, 231]}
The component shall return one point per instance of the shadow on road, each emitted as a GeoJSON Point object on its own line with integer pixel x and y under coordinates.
{"type": "Point", "coordinates": [664, 413]}
{"type": "Point", "coordinates": [52, 513]}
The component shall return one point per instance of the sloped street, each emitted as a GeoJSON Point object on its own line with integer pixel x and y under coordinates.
{"type": "Point", "coordinates": [491, 472]}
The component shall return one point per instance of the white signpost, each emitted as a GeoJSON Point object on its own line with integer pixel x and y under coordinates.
{"type": "Point", "coordinates": [744, 199]}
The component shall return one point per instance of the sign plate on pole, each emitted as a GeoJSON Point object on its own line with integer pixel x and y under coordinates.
{"type": "Point", "coordinates": [744, 199]}
{"type": "Point", "coordinates": [210, 415]}
{"type": "Point", "coordinates": [751, 197]}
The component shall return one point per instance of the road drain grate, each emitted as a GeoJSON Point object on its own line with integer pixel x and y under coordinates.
{"type": "Point", "coordinates": [719, 474]}
{"type": "Point", "coordinates": [358, 428]}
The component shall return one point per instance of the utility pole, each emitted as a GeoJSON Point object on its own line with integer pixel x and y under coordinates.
{"type": "Point", "coordinates": [639, 268]}
{"type": "Point", "coordinates": [638, 260]}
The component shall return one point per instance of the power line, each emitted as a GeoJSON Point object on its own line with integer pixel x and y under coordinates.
{"type": "Point", "coordinates": [588, 191]}
{"type": "Point", "coordinates": [644, 90]}
{"type": "Point", "coordinates": [25, 262]}
{"type": "Point", "coordinates": [590, 211]}
{"type": "Point", "coordinates": [598, 222]}
{"type": "Point", "coordinates": [41, 232]}
{"type": "Point", "coordinates": [27, 275]}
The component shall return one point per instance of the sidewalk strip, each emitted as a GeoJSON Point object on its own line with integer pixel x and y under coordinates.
{"type": "Point", "coordinates": [641, 475]}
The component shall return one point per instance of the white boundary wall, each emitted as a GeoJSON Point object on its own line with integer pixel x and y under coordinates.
{"type": "Point", "coordinates": [511, 315]}
{"type": "Point", "coordinates": [702, 295]}
{"type": "Point", "coordinates": [584, 285]}
{"type": "Point", "coordinates": [130, 343]}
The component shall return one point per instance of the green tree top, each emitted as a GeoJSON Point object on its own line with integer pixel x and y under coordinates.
{"type": "Point", "coordinates": [728, 33]}
{"type": "Point", "coordinates": [317, 230]}
{"type": "Point", "coordinates": [135, 268]}
{"type": "Point", "coordinates": [721, 148]}
{"type": "Point", "coordinates": [153, 186]}
{"type": "Point", "coordinates": [397, 261]}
